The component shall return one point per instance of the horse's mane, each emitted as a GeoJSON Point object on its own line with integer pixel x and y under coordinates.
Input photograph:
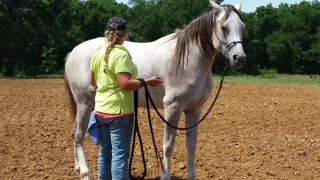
{"type": "Point", "coordinates": [199, 31]}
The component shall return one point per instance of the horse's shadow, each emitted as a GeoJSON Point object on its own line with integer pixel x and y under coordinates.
{"type": "Point", "coordinates": [172, 178]}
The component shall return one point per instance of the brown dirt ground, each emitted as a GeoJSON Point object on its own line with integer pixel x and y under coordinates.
{"type": "Point", "coordinates": [256, 131]}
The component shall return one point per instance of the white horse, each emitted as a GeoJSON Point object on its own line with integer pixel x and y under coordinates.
{"type": "Point", "coordinates": [183, 60]}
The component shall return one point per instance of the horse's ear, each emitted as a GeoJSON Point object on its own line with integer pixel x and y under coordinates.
{"type": "Point", "coordinates": [215, 6]}
{"type": "Point", "coordinates": [238, 5]}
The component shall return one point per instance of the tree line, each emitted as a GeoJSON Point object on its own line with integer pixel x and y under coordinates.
{"type": "Point", "coordinates": [37, 34]}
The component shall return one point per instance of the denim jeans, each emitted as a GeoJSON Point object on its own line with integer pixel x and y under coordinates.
{"type": "Point", "coordinates": [114, 147]}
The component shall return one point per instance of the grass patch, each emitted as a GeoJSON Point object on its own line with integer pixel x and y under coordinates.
{"type": "Point", "coordinates": [53, 76]}
{"type": "Point", "coordinates": [300, 80]}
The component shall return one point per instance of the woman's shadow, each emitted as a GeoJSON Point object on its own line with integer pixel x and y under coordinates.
{"type": "Point", "coordinates": [172, 178]}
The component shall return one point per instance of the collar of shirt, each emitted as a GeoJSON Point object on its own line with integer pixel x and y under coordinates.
{"type": "Point", "coordinates": [119, 47]}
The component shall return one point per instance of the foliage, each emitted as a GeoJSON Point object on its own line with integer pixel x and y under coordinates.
{"type": "Point", "coordinates": [37, 34]}
{"type": "Point", "coordinates": [49, 65]}
{"type": "Point", "coordinates": [268, 73]}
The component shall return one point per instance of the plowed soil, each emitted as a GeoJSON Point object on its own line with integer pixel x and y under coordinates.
{"type": "Point", "coordinates": [256, 131]}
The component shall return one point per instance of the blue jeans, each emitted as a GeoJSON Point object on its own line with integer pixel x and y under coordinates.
{"type": "Point", "coordinates": [114, 147]}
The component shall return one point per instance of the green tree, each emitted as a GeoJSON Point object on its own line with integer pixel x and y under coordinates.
{"type": "Point", "coordinates": [29, 26]}
{"type": "Point", "coordinates": [280, 52]}
{"type": "Point", "coordinates": [37, 34]}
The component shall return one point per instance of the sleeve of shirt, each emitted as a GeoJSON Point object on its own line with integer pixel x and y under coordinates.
{"type": "Point", "coordinates": [123, 63]}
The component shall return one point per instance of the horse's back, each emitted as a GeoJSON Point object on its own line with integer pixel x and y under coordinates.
{"type": "Point", "coordinates": [78, 62]}
{"type": "Point", "coordinates": [77, 68]}
{"type": "Point", "coordinates": [151, 59]}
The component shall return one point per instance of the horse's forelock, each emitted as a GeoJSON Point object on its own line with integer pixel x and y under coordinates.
{"type": "Point", "coordinates": [229, 9]}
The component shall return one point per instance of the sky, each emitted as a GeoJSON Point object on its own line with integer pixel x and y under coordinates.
{"type": "Point", "coordinates": [251, 5]}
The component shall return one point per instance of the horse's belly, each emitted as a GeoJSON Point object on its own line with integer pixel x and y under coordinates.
{"type": "Point", "coordinates": [156, 94]}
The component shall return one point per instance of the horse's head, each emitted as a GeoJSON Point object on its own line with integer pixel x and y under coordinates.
{"type": "Point", "coordinates": [227, 33]}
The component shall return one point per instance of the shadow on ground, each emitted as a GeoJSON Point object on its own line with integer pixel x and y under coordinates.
{"type": "Point", "coordinates": [172, 178]}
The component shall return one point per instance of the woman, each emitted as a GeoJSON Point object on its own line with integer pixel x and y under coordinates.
{"type": "Point", "coordinates": [114, 74]}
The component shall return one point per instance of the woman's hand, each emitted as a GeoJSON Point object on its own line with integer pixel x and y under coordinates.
{"type": "Point", "coordinates": [128, 84]}
{"type": "Point", "coordinates": [154, 81]}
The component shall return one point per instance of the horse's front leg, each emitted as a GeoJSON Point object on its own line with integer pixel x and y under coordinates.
{"type": "Point", "coordinates": [172, 114]}
{"type": "Point", "coordinates": [192, 118]}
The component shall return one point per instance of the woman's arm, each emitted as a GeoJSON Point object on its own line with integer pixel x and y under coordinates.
{"type": "Point", "coordinates": [128, 84]}
{"type": "Point", "coordinates": [93, 79]}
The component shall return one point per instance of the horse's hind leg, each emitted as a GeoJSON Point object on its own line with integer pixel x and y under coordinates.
{"type": "Point", "coordinates": [192, 117]}
{"type": "Point", "coordinates": [172, 115]}
{"type": "Point", "coordinates": [76, 160]}
{"type": "Point", "coordinates": [82, 118]}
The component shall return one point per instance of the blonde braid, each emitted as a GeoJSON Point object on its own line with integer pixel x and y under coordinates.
{"type": "Point", "coordinates": [112, 37]}
{"type": "Point", "coordinates": [110, 40]}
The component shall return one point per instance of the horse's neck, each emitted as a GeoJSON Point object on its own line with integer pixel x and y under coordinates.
{"type": "Point", "coordinates": [194, 63]}
{"type": "Point", "coordinates": [155, 58]}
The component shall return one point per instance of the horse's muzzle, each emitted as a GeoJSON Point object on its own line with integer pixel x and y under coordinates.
{"type": "Point", "coordinates": [239, 61]}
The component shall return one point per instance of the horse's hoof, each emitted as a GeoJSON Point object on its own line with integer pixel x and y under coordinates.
{"type": "Point", "coordinates": [77, 169]}
{"type": "Point", "coordinates": [165, 177]}
{"type": "Point", "coordinates": [85, 178]}
{"type": "Point", "coordinates": [85, 175]}
{"type": "Point", "coordinates": [192, 177]}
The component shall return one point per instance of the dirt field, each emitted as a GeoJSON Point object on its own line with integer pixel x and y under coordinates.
{"type": "Point", "coordinates": [256, 131]}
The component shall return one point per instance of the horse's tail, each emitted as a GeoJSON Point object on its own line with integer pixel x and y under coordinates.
{"type": "Point", "coordinates": [70, 99]}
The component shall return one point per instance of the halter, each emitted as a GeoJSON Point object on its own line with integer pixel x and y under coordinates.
{"type": "Point", "coordinates": [231, 45]}
{"type": "Point", "coordinates": [226, 45]}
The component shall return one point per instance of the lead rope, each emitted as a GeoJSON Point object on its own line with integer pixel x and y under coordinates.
{"type": "Point", "coordinates": [137, 132]}
{"type": "Point", "coordinates": [206, 114]}
{"type": "Point", "coordinates": [156, 151]}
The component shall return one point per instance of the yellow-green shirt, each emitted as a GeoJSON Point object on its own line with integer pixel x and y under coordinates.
{"type": "Point", "coordinates": [109, 97]}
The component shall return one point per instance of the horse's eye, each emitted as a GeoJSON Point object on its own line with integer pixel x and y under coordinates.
{"type": "Point", "coordinates": [223, 28]}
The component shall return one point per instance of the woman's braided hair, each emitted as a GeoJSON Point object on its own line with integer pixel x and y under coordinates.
{"type": "Point", "coordinates": [112, 37]}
